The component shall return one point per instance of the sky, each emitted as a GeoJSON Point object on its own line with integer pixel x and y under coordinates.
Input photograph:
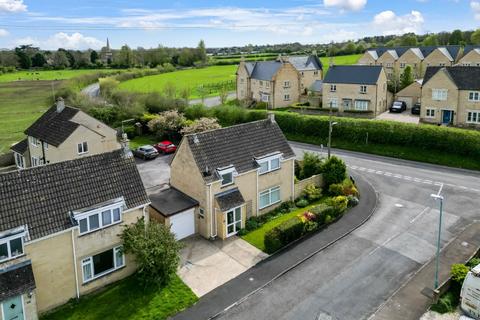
{"type": "Point", "coordinates": [83, 24]}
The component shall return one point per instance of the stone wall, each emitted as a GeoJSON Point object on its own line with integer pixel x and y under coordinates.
{"type": "Point", "coordinates": [300, 185]}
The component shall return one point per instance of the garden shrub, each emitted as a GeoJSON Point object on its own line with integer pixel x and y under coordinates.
{"type": "Point", "coordinates": [336, 189]}
{"type": "Point", "coordinates": [339, 204]}
{"type": "Point", "coordinates": [302, 203]}
{"type": "Point", "coordinates": [286, 207]}
{"type": "Point", "coordinates": [312, 193]}
{"type": "Point", "coordinates": [459, 272]}
{"type": "Point", "coordinates": [290, 230]}
{"type": "Point", "coordinates": [310, 226]}
{"type": "Point", "coordinates": [328, 219]}
{"type": "Point", "coordinates": [352, 201]}
{"type": "Point", "coordinates": [311, 165]}
{"type": "Point", "coordinates": [334, 171]}
{"type": "Point", "coordinates": [345, 188]}
{"type": "Point", "coordinates": [251, 224]}
{"type": "Point", "coordinates": [272, 240]}
{"type": "Point", "coordinates": [242, 232]}
{"type": "Point", "coordinates": [196, 111]}
{"type": "Point", "coordinates": [447, 303]}
{"type": "Point", "coordinates": [473, 263]}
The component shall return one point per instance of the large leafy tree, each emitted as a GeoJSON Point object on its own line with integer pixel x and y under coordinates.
{"type": "Point", "coordinates": [475, 38]}
{"type": "Point", "coordinates": [38, 60]}
{"type": "Point", "coordinates": [406, 78]}
{"type": "Point", "coordinates": [334, 171]}
{"type": "Point", "coordinates": [155, 250]}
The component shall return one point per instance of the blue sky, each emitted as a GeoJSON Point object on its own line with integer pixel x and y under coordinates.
{"type": "Point", "coordinates": [86, 24]}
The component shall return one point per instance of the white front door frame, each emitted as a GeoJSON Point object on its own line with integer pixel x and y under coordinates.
{"type": "Point", "coordinates": [234, 222]}
{"type": "Point", "coordinates": [23, 307]}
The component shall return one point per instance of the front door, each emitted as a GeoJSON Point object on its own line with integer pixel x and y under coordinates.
{"type": "Point", "coordinates": [447, 116]}
{"type": "Point", "coordinates": [234, 221]}
{"type": "Point", "coordinates": [13, 308]}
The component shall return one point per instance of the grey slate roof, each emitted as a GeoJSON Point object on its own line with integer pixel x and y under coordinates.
{"type": "Point", "coordinates": [16, 280]}
{"type": "Point", "coordinates": [54, 127]}
{"type": "Point", "coordinates": [237, 145]}
{"type": "Point", "coordinates": [20, 147]}
{"type": "Point", "coordinates": [465, 78]}
{"type": "Point", "coordinates": [302, 63]}
{"type": "Point", "coordinates": [229, 199]}
{"type": "Point", "coordinates": [171, 201]}
{"type": "Point", "coordinates": [265, 70]}
{"type": "Point", "coordinates": [42, 197]}
{"type": "Point", "coordinates": [452, 50]}
{"type": "Point", "coordinates": [469, 48]}
{"type": "Point", "coordinates": [353, 74]}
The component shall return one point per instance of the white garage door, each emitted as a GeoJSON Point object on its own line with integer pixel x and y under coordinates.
{"type": "Point", "coordinates": [183, 224]}
{"type": "Point", "coordinates": [408, 101]}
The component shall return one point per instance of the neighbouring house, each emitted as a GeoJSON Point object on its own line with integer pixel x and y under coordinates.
{"type": "Point", "coordinates": [63, 133]}
{"type": "Point", "coordinates": [356, 88]}
{"type": "Point", "coordinates": [395, 60]}
{"type": "Point", "coordinates": [411, 94]}
{"type": "Point", "coordinates": [233, 173]}
{"type": "Point", "coordinates": [59, 230]}
{"type": "Point", "coordinates": [451, 96]}
{"type": "Point", "coordinates": [277, 83]}
{"type": "Point", "coordinates": [471, 56]}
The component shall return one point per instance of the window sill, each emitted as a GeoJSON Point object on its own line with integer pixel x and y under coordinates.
{"type": "Point", "coordinates": [102, 275]}
{"type": "Point", "coordinates": [13, 258]}
{"type": "Point", "coordinates": [271, 204]}
{"type": "Point", "coordinates": [263, 173]}
{"type": "Point", "coordinates": [82, 153]}
{"type": "Point", "coordinates": [227, 185]}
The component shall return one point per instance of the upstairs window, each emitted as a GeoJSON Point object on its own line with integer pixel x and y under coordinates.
{"type": "Point", "coordinates": [402, 65]}
{"type": "Point", "coordinates": [261, 83]}
{"type": "Point", "coordinates": [82, 147]}
{"type": "Point", "coordinates": [315, 73]}
{"type": "Point", "coordinates": [439, 94]}
{"type": "Point", "coordinates": [34, 141]}
{"type": "Point", "coordinates": [474, 96]}
{"type": "Point", "coordinates": [286, 84]}
{"type": "Point", "coordinates": [11, 246]}
{"type": "Point", "coordinates": [100, 218]}
{"type": "Point", "coordinates": [363, 89]}
{"type": "Point", "coordinates": [333, 88]}
{"type": "Point", "coordinates": [269, 164]}
{"type": "Point", "coordinates": [226, 175]}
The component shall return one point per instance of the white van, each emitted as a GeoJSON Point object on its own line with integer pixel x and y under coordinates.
{"type": "Point", "coordinates": [470, 294]}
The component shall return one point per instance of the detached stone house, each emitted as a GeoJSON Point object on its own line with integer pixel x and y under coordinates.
{"type": "Point", "coordinates": [356, 88]}
{"type": "Point", "coordinates": [395, 60]}
{"type": "Point", "coordinates": [63, 133]}
{"type": "Point", "coordinates": [59, 230]}
{"type": "Point", "coordinates": [451, 96]}
{"type": "Point", "coordinates": [278, 83]}
{"type": "Point", "coordinates": [471, 57]}
{"type": "Point", "coordinates": [233, 173]}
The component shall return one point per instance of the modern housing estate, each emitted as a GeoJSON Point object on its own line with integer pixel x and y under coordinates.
{"type": "Point", "coordinates": [451, 96]}
{"type": "Point", "coordinates": [233, 173]}
{"type": "Point", "coordinates": [59, 230]}
{"type": "Point", "coordinates": [356, 88]}
{"type": "Point", "coordinates": [277, 83]}
{"type": "Point", "coordinates": [470, 56]}
{"type": "Point", "coordinates": [63, 133]}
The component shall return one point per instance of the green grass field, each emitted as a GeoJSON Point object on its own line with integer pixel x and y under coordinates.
{"type": "Point", "coordinates": [21, 104]}
{"type": "Point", "coordinates": [47, 75]}
{"type": "Point", "coordinates": [192, 78]}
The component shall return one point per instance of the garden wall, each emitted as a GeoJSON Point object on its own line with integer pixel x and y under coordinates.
{"type": "Point", "coordinates": [317, 180]}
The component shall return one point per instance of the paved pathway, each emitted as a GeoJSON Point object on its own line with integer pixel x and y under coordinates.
{"type": "Point", "coordinates": [212, 101]}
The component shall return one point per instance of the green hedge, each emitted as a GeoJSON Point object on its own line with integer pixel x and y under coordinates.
{"type": "Point", "coordinates": [286, 232]}
{"type": "Point", "coordinates": [427, 137]}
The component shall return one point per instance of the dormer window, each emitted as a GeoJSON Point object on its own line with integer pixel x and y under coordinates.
{"type": "Point", "coordinates": [99, 218]}
{"type": "Point", "coordinates": [227, 175]}
{"type": "Point", "coordinates": [11, 246]}
{"type": "Point", "coordinates": [268, 164]}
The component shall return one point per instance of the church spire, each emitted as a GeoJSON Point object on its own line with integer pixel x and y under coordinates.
{"type": "Point", "coordinates": [108, 45]}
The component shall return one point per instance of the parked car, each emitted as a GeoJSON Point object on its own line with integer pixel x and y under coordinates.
{"type": "Point", "coordinates": [165, 147]}
{"type": "Point", "coordinates": [398, 106]}
{"type": "Point", "coordinates": [416, 108]}
{"type": "Point", "coordinates": [145, 152]}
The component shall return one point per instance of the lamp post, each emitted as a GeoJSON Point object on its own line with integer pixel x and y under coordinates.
{"type": "Point", "coordinates": [437, 259]}
{"type": "Point", "coordinates": [330, 128]}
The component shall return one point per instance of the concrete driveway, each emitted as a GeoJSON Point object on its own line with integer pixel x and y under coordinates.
{"type": "Point", "coordinates": [405, 116]}
{"type": "Point", "coordinates": [155, 173]}
{"type": "Point", "coordinates": [207, 264]}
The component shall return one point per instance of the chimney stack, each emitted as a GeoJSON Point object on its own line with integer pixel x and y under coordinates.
{"type": "Point", "coordinates": [60, 104]}
{"type": "Point", "coordinates": [127, 153]}
{"type": "Point", "coordinates": [271, 117]}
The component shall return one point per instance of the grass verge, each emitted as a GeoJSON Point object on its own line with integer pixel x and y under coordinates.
{"type": "Point", "coordinates": [127, 300]}
{"type": "Point", "coordinates": [48, 74]}
{"type": "Point", "coordinates": [142, 140]}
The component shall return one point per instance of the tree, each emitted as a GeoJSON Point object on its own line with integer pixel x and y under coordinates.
{"type": "Point", "coordinates": [393, 82]}
{"type": "Point", "coordinates": [202, 51]}
{"type": "Point", "coordinates": [167, 124]}
{"type": "Point", "coordinates": [334, 171]}
{"type": "Point", "coordinates": [202, 93]}
{"type": "Point", "coordinates": [93, 56]}
{"type": "Point", "coordinates": [406, 78]}
{"type": "Point", "coordinates": [409, 39]}
{"type": "Point", "coordinates": [223, 94]}
{"type": "Point", "coordinates": [456, 37]}
{"type": "Point", "coordinates": [125, 57]}
{"type": "Point", "coordinates": [23, 57]}
{"type": "Point", "coordinates": [431, 40]}
{"type": "Point", "coordinates": [170, 90]}
{"type": "Point", "coordinates": [38, 60]}
{"type": "Point", "coordinates": [350, 48]}
{"type": "Point", "coordinates": [60, 60]}
{"type": "Point", "coordinates": [311, 165]}
{"type": "Point", "coordinates": [475, 38]}
{"type": "Point", "coordinates": [155, 250]}
{"type": "Point", "coordinates": [201, 125]}
{"type": "Point", "coordinates": [185, 93]}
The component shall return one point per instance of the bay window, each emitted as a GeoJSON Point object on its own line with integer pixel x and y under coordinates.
{"type": "Point", "coordinates": [103, 263]}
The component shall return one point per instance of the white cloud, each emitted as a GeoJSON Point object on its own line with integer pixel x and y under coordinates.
{"type": "Point", "coordinates": [3, 33]}
{"type": "Point", "coordinates": [12, 6]}
{"type": "Point", "coordinates": [475, 5]}
{"type": "Point", "coordinates": [350, 5]}
{"type": "Point", "coordinates": [387, 22]}
{"type": "Point", "coordinates": [75, 41]}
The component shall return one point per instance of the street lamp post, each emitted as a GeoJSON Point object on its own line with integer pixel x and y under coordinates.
{"type": "Point", "coordinates": [437, 259]}
{"type": "Point", "coordinates": [330, 128]}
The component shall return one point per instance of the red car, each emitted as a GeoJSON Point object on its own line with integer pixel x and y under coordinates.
{"type": "Point", "coordinates": [165, 147]}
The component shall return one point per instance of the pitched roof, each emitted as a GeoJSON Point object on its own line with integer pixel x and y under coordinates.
{"type": "Point", "coordinates": [20, 147]}
{"type": "Point", "coordinates": [237, 145]}
{"type": "Point", "coordinates": [449, 51]}
{"type": "Point", "coordinates": [265, 70]}
{"type": "Point", "coordinates": [229, 199]}
{"type": "Point", "coordinates": [303, 63]}
{"type": "Point", "coordinates": [16, 279]}
{"type": "Point", "coordinates": [171, 201]}
{"type": "Point", "coordinates": [469, 48]}
{"type": "Point", "coordinates": [42, 197]}
{"type": "Point", "coordinates": [54, 127]}
{"type": "Point", "coordinates": [464, 77]}
{"type": "Point", "coordinates": [353, 74]}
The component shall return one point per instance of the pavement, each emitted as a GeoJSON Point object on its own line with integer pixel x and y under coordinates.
{"type": "Point", "coordinates": [213, 101]}
{"type": "Point", "coordinates": [206, 265]}
{"type": "Point", "coordinates": [155, 173]}
{"type": "Point", "coordinates": [405, 116]}
{"type": "Point", "coordinates": [354, 277]}
{"type": "Point", "coordinates": [263, 275]}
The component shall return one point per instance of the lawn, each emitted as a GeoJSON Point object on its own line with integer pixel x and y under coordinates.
{"type": "Point", "coordinates": [47, 74]}
{"type": "Point", "coordinates": [256, 237]}
{"type": "Point", "coordinates": [142, 140]}
{"type": "Point", "coordinates": [211, 77]}
{"type": "Point", "coordinates": [21, 104]}
{"type": "Point", "coordinates": [350, 59]}
{"type": "Point", "coordinates": [127, 300]}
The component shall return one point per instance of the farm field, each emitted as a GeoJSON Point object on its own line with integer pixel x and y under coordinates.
{"type": "Point", "coordinates": [47, 74]}
{"type": "Point", "coordinates": [21, 104]}
{"type": "Point", "coordinates": [350, 59]}
{"type": "Point", "coordinates": [210, 77]}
